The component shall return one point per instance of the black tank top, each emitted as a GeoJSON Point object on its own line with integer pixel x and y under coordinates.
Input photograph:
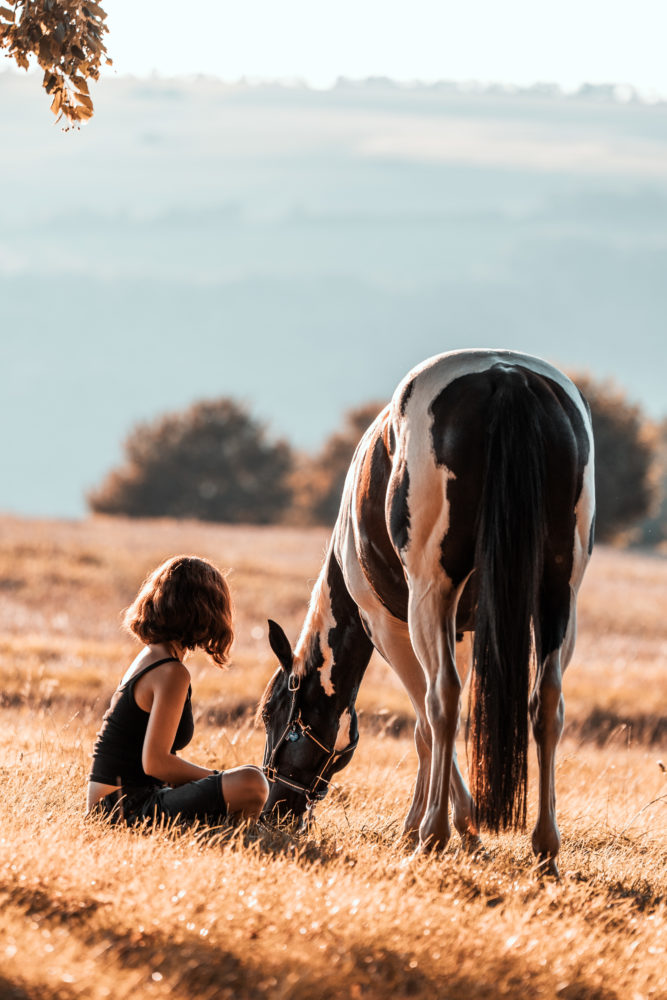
{"type": "Point", "coordinates": [120, 741]}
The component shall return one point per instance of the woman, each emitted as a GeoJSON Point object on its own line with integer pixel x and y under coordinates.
{"type": "Point", "coordinates": [136, 774]}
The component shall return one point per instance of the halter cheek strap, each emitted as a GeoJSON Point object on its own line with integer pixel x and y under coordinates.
{"type": "Point", "coordinates": [313, 792]}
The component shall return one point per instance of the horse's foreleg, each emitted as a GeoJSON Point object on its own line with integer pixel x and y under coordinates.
{"type": "Point", "coordinates": [418, 805]}
{"type": "Point", "coordinates": [393, 642]}
{"type": "Point", "coordinates": [463, 809]}
{"type": "Point", "coordinates": [462, 802]}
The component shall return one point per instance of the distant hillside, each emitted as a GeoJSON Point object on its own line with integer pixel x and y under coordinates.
{"type": "Point", "coordinates": [302, 249]}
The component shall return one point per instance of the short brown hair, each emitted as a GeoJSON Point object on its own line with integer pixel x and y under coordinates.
{"type": "Point", "coordinates": [185, 600]}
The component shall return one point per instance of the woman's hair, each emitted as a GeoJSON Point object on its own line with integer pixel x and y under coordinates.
{"type": "Point", "coordinates": [185, 600]}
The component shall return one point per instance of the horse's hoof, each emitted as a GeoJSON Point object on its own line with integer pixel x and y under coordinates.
{"type": "Point", "coordinates": [432, 844]}
{"type": "Point", "coordinates": [546, 867]}
{"type": "Point", "coordinates": [409, 839]}
{"type": "Point", "coordinates": [420, 852]}
{"type": "Point", "coordinates": [471, 843]}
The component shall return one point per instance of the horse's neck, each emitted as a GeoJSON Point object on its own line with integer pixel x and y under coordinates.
{"type": "Point", "coordinates": [333, 641]}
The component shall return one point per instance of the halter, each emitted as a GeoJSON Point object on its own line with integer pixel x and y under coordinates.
{"type": "Point", "coordinates": [313, 793]}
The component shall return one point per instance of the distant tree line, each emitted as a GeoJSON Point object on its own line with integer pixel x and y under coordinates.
{"type": "Point", "coordinates": [215, 462]}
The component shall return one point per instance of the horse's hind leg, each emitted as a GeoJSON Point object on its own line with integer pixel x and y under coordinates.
{"type": "Point", "coordinates": [547, 712]}
{"type": "Point", "coordinates": [435, 645]}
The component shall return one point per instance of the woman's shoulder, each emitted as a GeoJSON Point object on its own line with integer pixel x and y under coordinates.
{"type": "Point", "coordinates": [157, 663]}
{"type": "Point", "coordinates": [172, 673]}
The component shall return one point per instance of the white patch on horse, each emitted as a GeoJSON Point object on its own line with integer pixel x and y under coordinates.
{"type": "Point", "coordinates": [428, 491]}
{"type": "Point", "coordinates": [583, 513]}
{"type": "Point", "coordinates": [325, 672]}
{"type": "Point", "coordinates": [344, 737]}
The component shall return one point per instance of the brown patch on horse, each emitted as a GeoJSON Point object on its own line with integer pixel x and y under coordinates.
{"type": "Point", "coordinates": [376, 553]}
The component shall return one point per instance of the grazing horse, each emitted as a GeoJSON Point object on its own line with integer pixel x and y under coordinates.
{"type": "Point", "coordinates": [468, 508]}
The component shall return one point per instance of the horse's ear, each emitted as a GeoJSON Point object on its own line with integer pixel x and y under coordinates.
{"type": "Point", "coordinates": [280, 645]}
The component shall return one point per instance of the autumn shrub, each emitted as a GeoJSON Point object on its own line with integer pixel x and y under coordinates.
{"type": "Point", "coordinates": [626, 483]}
{"type": "Point", "coordinates": [212, 462]}
{"type": "Point", "coordinates": [318, 480]}
{"type": "Point", "coordinates": [653, 530]}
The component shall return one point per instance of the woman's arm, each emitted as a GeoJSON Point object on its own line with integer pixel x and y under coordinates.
{"type": "Point", "coordinates": [169, 684]}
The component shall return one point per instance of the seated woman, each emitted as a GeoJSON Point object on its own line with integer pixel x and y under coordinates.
{"type": "Point", "coordinates": [137, 774]}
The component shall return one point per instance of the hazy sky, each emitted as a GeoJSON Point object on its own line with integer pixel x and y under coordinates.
{"type": "Point", "coordinates": [276, 227]}
{"type": "Point", "coordinates": [516, 41]}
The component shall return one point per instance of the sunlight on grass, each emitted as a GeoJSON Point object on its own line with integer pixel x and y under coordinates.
{"type": "Point", "coordinates": [343, 910]}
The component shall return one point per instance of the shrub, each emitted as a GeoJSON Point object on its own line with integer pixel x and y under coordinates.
{"type": "Point", "coordinates": [653, 531]}
{"type": "Point", "coordinates": [212, 462]}
{"type": "Point", "coordinates": [318, 482]}
{"type": "Point", "coordinates": [625, 459]}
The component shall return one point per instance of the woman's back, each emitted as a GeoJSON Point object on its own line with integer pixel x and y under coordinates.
{"type": "Point", "coordinates": [117, 754]}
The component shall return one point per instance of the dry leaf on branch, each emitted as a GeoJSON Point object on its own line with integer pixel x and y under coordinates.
{"type": "Point", "coordinates": [66, 38]}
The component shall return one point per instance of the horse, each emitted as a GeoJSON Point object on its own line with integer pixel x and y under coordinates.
{"type": "Point", "coordinates": [465, 527]}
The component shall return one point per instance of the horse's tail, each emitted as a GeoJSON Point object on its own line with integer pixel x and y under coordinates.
{"type": "Point", "coordinates": [508, 568]}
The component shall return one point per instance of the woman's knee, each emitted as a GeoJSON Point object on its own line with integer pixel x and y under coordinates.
{"type": "Point", "coordinates": [245, 789]}
{"type": "Point", "coordinates": [256, 783]}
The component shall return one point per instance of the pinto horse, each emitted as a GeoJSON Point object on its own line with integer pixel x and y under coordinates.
{"type": "Point", "coordinates": [468, 508]}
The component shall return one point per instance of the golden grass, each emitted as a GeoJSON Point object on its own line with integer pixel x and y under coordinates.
{"type": "Point", "coordinates": [92, 912]}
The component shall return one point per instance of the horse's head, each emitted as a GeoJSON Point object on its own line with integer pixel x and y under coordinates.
{"type": "Point", "coordinates": [309, 734]}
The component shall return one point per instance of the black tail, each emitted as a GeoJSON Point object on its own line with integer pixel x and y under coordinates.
{"type": "Point", "coordinates": [508, 568]}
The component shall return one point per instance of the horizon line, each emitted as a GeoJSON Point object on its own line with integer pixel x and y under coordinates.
{"type": "Point", "coordinates": [609, 91]}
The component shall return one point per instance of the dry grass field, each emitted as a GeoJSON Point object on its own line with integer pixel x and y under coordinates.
{"type": "Point", "coordinates": [342, 911]}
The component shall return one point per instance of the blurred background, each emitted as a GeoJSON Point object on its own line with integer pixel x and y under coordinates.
{"type": "Point", "coordinates": [280, 208]}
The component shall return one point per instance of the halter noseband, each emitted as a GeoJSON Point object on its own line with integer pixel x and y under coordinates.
{"type": "Point", "coordinates": [313, 793]}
